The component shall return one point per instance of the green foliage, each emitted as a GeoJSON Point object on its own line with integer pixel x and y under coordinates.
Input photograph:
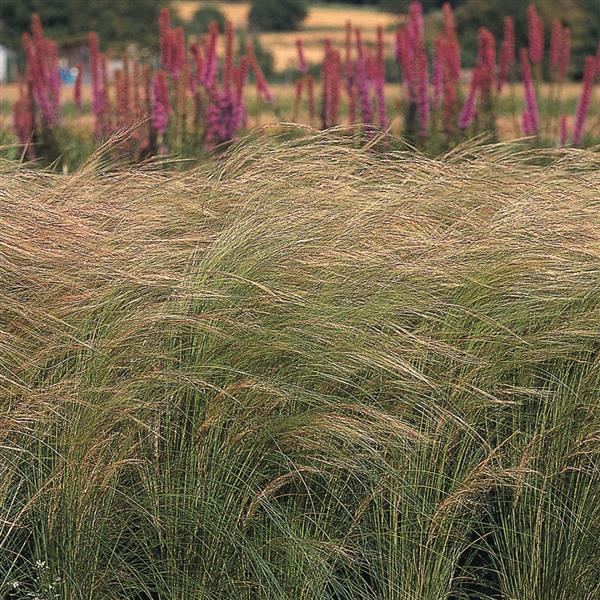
{"type": "Point", "coordinates": [577, 14]}
{"type": "Point", "coordinates": [306, 371]}
{"type": "Point", "coordinates": [202, 19]}
{"type": "Point", "coordinates": [115, 22]}
{"type": "Point", "coordinates": [277, 15]}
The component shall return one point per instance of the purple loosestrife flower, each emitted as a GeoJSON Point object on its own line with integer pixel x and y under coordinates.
{"type": "Point", "coordinates": [536, 35]}
{"type": "Point", "coordinates": [526, 123]}
{"type": "Point", "coordinates": [261, 82]}
{"type": "Point", "coordinates": [507, 53]}
{"type": "Point", "coordinates": [160, 103]}
{"type": "Point", "coordinates": [240, 105]}
{"type": "Point", "coordinates": [380, 81]}
{"type": "Point", "coordinates": [422, 73]}
{"type": "Point", "coordinates": [98, 92]}
{"type": "Point", "coordinates": [178, 55]}
{"type": "Point", "coordinates": [467, 115]}
{"type": "Point", "coordinates": [211, 59]}
{"type": "Point", "coordinates": [556, 41]}
{"type": "Point", "coordinates": [438, 70]}
{"type": "Point", "coordinates": [565, 53]}
{"type": "Point", "coordinates": [531, 105]}
{"type": "Point", "coordinates": [589, 75]}
{"type": "Point", "coordinates": [164, 26]}
{"type": "Point", "coordinates": [404, 58]}
{"type": "Point", "coordinates": [364, 97]}
{"type": "Point", "coordinates": [452, 45]}
{"type": "Point", "coordinates": [228, 63]}
{"type": "Point", "coordinates": [302, 64]}
{"type": "Point", "coordinates": [196, 78]}
{"type": "Point", "coordinates": [349, 76]}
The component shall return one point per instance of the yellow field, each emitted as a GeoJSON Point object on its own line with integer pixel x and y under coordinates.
{"type": "Point", "coordinates": [322, 22]}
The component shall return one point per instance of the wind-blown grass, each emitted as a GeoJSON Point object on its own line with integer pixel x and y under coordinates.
{"type": "Point", "coordinates": [304, 372]}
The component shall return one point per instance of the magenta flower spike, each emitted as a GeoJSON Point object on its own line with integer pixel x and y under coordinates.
{"type": "Point", "coordinates": [160, 103]}
{"type": "Point", "coordinates": [467, 115]}
{"type": "Point", "coordinates": [302, 63]}
{"type": "Point", "coordinates": [583, 107]}
{"type": "Point", "coordinates": [530, 95]}
{"type": "Point", "coordinates": [536, 35]}
{"type": "Point", "coordinates": [556, 42]}
{"type": "Point", "coordinates": [507, 53]}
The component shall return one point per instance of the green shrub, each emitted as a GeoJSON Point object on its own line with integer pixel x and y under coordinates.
{"type": "Point", "coordinates": [203, 17]}
{"type": "Point", "coordinates": [277, 15]}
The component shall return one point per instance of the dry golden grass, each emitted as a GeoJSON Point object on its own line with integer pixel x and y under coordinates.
{"type": "Point", "coordinates": [303, 367]}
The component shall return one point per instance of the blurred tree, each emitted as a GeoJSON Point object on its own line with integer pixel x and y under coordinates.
{"type": "Point", "coordinates": [582, 16]}
{"type": "Point", "coordinates": [115, 21]}
{"type": "Point", "coordinates": [277, 15]}
{"type": "Point", "coordinates": [202, 19]}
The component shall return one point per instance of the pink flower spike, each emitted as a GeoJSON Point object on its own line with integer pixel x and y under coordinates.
{"type": "Point", "coordinates": [467, 115]}
{"type": "Point", "coordinates": [565, 53]}
{"type": "Point", "coordinates": [536, 35]}
{"type": "Point", "coordinates": [583, 106]}
{"type": "Point", "coordinates": [556, 42]}
{"type": "Point", "coordinates": [160, 103]}
{"type": "Point", "coordinates": [302, 64]}
{"type": "Point", "coordinates": [530, 95]}
{"type": "Point", "coordinates": [507, 53]}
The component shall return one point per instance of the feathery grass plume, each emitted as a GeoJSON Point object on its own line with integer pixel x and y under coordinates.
{"type": "Point", "coordinates": [531, 104]}
{"type": "Point", "coordinates": [536, 35]}
{"type": "Point", "coordinates": [583, 106]}
{"type": "Point", "coordinates": [263, 378]}
{"type": "Point", "coordinates": [508, 53]}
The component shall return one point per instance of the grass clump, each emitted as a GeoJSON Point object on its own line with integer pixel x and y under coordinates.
{"type": "Point", "coordinates": [304, 372]}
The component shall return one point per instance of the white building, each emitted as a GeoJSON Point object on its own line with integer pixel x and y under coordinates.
{"type": "Point", "coordinates": [7, 60]}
